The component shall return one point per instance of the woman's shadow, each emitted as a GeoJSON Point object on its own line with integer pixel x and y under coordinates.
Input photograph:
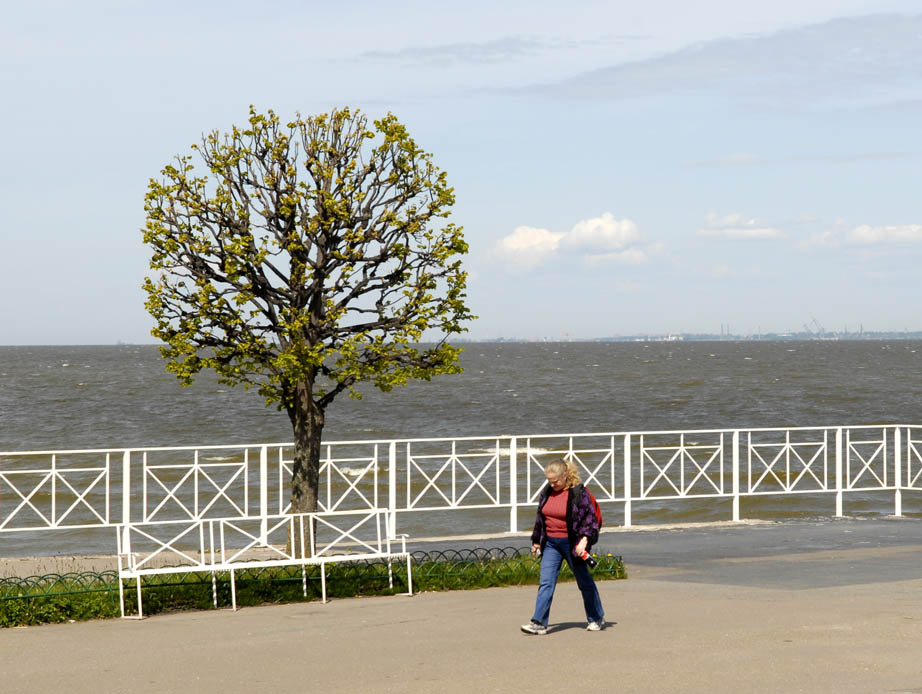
{"type": "Point", "coordinates": [563, 626]}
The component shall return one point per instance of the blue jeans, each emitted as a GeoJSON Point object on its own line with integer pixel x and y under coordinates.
{"type": "Point", "coordinates": [555, 552]}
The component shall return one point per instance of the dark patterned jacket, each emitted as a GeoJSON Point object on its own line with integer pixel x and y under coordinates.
{"type": "Point", "coordinates": [581, 520]}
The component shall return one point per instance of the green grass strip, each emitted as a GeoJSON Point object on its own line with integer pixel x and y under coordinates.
{"type": "Point", "coordinates": [81, 596]}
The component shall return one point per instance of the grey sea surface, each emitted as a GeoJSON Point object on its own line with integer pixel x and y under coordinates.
{"type": "Point", "coordinates": [54, 398]}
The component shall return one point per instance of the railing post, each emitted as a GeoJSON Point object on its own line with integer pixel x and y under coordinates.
{"type": "Point", "coordinates": [54, 493]}
{"type": "Point", "coordinates": [736, 476]}
{"type": "Point", "coordinates": [513, 485]}
{"type": "Point", "coordinates": [627, 480]}
{"type": "Point", "coordinates": [195, 471]}
{"type": "Point", "coordinates": [264, 494]}
{"type": "Point", "coordinates": [126, 510]}
{"type": "Point", "coordinates": [126, 487]}
{"type": "Point", "coordinates": [329, 484]}
{"type": "Point", "coordinates": [898, 472]}
{"type": "Point", "coordinates": [839, 472]}
{"type": "Point", "coordinates": [392, 490]}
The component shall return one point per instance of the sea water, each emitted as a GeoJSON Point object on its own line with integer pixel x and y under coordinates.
{"type": "Point", "coordinates": [54, 398]}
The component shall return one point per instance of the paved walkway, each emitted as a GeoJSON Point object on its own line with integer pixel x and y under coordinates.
{"type": "Point", "coordinates": [804, 606]}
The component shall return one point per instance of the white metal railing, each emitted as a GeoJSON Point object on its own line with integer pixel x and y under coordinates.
{"type": "Point", "coordinates": [215, 545]}
{"type": "Point", "coordinates": [220, 543]}
{"type": "Point", "coordinates": [104, 487]}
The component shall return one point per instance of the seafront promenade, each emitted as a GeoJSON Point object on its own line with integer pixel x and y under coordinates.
{"type": "Point", "coordinates": [800, 606]}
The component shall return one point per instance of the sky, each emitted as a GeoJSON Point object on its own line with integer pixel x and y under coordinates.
{"type": "Point", "coordinates": [620, 168]}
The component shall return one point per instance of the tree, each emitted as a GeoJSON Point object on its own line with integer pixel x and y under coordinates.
{"type": "Point", "coordinates": [309, 257]}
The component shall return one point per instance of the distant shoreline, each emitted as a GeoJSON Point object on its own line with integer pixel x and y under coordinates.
{"type": "Point", "coordinates": [866, 336]}
{"type": "Point", "coordinates": [706, 337]}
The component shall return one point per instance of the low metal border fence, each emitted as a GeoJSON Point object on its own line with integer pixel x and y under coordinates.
{"type": "Point", "coordinates": [483, 561]}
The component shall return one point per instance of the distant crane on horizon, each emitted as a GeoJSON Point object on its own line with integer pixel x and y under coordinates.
{"type": "Point", "coordinates": [819, 327]}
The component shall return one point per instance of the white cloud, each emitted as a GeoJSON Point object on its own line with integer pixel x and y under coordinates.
{"type": "Point", "coordinates": [868, 59]}
{"type": "Point", "coordinates": [493, 51]}
{"type": "Point", "coordinates": [595, 241]}
{"type": "Point", "coordinates": [841, 235]}
{"type": "Point", "coordinates": [735, 226]}
{"type": "Point", "coordinates": [601, 234]}
{"type": "Point", "coordinates": [528, 246]}
{"type": "Point", "coordinates": [906, 233]}
{"type": "Point", "coordinates": [497, 50]}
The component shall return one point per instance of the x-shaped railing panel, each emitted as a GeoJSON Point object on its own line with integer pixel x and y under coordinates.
{"type": "Point", "coordinates": [475, 481]}
{"type": "Point", "coordinates": [222, 489]}
{"type": "Point", "coordinates": [196, 473]}
{"type": "Point", "coordinates": [167, 546]}
{"type": "Point", "coordinates": [431, 481]}
{"type": "Point", "coordinates": [716, 456]}
{"type": "Point", "coordinates": [26, 498]}
{"type": "Point", "coordinates": [339, 485]}
{"type": "Point", "coordinates": [877, 454]}
{"type": "Point", "coordinates": [81, 496]}
{"type": "Point", "coordinates": [203, 544]}
{"type": "Point", "coordinates": [55, 483]}
{"type": "Point", "coordinates": [536, 458]}
{"type": "Point", "coordinates": [681, 454]}
{"type": "Point", "coordinates": [328, 466]}
{"type": "Point", "coordinates": [171, 492]}
{"type": "Point", "coordinates": [661, 470]}
{"type": "Point", "coordinates": [350, 534]}
{"type": "Point", "coordinates": [783, 455]}
{"type": "Point", "coordinates": [261, 538]}
{"type": "Point", "coordinates": [453, 463]}
{"type": "Point", "coordinates": [818, 456]}
{"type": "Point", "coordinates": [602, 491]}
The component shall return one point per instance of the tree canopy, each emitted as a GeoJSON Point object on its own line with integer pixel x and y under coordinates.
{"type": "Point", "coordinates": [305, 258]}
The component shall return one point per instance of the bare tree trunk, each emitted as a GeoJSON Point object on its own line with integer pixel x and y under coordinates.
{"type": "Point", "coordinates": [307, 420]}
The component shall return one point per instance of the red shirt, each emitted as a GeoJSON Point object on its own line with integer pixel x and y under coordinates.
{"type": "Point", "coordinates": [555, 513]}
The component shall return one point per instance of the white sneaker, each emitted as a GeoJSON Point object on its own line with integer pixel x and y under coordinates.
{"type": "Point", "coordinates": [596, 626]}
{"type": "Point", "coordinates": [534, 628]}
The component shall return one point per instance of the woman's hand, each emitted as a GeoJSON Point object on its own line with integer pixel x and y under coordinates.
{"type": "Point", "coordinates": [535, 549]}
{"type": "Point", "coordinates": [581, 546]}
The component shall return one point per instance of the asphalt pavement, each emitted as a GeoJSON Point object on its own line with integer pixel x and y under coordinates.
{"type": "Point", "coordinates": [825, 605]}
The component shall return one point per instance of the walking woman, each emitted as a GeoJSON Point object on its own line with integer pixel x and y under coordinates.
{"type": "Point", "coordinates": [565, 528]}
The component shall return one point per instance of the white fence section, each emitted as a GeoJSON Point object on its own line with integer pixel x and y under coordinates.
{"type": "Point", "coordinates": [428, 478]}
{"type": "Point", "coordinates": [233, 544]}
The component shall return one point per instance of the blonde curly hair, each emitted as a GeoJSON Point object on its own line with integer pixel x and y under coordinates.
{"type": "Point", "coordinates": [560, 467]}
